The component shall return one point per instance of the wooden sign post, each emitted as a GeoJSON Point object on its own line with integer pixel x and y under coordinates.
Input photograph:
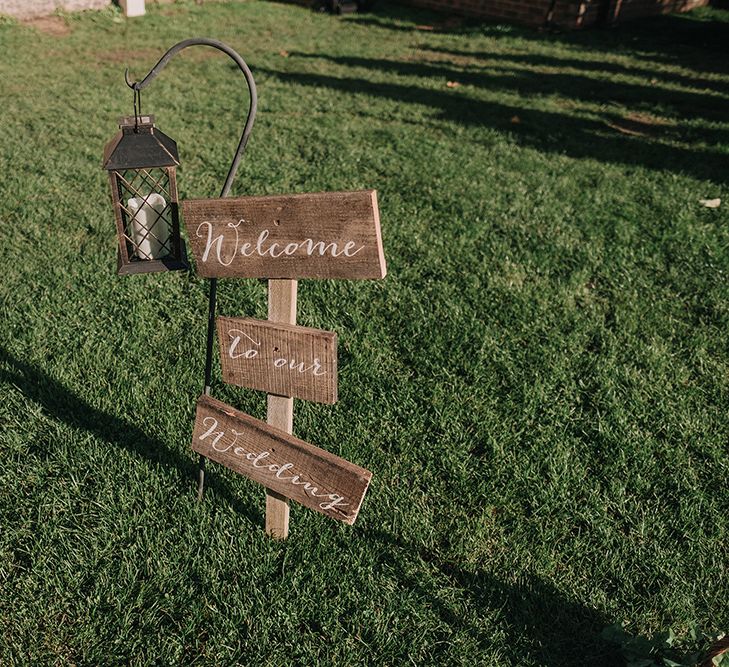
{"type": "Point", "coordinates": [282, 238]}
{"type": "Point", "coordinates": [282, 295]}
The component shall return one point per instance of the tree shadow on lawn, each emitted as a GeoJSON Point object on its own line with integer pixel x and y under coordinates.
{"type": "Point", "coordinates": [545, 131]}
{"type": "Point", "coordinates": [587, 89]}
{"type": "Point", "coordinates": [686, 40]}
{"type": "Point", "coordinates": [681, 39]}
{"type": "Point", "coordinates": [542, 622]}
{"type": "Point", "coordinates": [596, 68]}
{"type": "Point", "coordinates": [64, 406]}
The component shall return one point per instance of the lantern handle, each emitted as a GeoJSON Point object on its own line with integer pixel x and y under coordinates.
{"type": "Point", "coordinates": [204, 41]}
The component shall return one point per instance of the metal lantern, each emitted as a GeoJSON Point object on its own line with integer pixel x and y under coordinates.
{"type": "Point", "coordinates": [141, 162]}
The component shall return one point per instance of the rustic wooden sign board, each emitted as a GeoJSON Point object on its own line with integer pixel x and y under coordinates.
{"type": "Point", "coordinates": [289, 466]}
{"type": "Point", "coordinates": [283, 238]}
{"type": "Point", "coordinates": [322, 235]}
{"type": "Point", "coordinates": [279, 359]}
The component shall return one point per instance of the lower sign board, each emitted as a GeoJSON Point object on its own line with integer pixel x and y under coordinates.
{"type": "Point", "coordinates": [280, 359]}
{"type": "Point", "coordinates": [289, 466]}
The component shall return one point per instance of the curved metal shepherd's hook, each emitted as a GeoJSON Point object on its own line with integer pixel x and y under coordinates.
{"type": "Point", "coordinates": [138, 86]}
{"type": "Point", "coordinates": [204, 41]}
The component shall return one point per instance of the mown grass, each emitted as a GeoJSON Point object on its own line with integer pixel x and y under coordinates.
{"type": "Point", "coordinates": [539, 385]}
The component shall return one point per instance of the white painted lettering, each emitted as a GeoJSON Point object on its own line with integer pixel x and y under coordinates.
{"type": "Point", "coordinates": [336, 502]}
{"type": "Point", "coordinates": [214, 244]}
{"type": "Point", "coordinates": [259, 244]}
{"type": "Point", "coordinates": [348, 248]}
{"type": "Point", "coordinates": [211, 431]}
{"type": "Point", "coordinates": [257, 460]}
{"type": "Point", "coordinates": [248, 354]}
{"type": "Point", "coordinates": [284, 468]}
{"type": "Point", "coordinates": [260, 457]}
{"type": "Point", "coordinates": [300, 366]}
{"type": "Point", "coordinates": [218, 241]}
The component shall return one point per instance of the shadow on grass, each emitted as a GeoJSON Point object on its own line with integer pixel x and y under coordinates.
{"type": "Point", "coordinates": [64, 406]}
{"type": "Point", "coordinates": [612, 137]}
{"type": "Point", "coordinates": [668, 39]}
{"type": "Point", "coordinates": [692, 40]}
{"type": "Point", "coordinates": [595, 67]}
{"type": "Point", "coordinates": [589, 89]}
{"type": "Point", "coordinates": [543, 624]}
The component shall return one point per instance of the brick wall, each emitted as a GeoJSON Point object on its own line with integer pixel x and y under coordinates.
{"type": "Point", "coordinates": [563, 13]}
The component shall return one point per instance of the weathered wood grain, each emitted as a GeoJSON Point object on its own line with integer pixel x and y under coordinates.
{"type": "Point", "coordinates": [320, 235]}
{"type": "Point", "coordinates": [289, 466]}
{"type": "Point", "coordinates": [280, 359]}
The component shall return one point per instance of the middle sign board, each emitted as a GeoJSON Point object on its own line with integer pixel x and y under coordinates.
{"type": "Point", "coordinates": [280, 359]}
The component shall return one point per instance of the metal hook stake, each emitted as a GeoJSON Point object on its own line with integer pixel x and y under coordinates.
{"type": "Point", "coordinates": [137, 108]}
{"type": "Point", "coordinates": [204, 41]}
{"type": "Point", "coordinates": [248, 127]}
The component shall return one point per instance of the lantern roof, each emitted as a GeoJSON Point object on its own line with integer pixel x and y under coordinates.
{"type": "Point", "coordinates": [139, 145]}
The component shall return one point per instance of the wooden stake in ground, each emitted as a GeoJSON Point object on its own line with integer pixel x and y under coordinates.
{"type": "Point", "coordinates": [281, 308]}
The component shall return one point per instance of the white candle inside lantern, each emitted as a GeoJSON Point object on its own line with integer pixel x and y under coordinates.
{"type": "Point", "coordinates": [150, 230]}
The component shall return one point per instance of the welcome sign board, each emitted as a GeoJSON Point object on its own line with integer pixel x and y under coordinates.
{"type": "Point", "coordinates": [320, 235]}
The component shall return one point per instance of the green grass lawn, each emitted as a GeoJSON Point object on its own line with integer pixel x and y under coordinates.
{"type": "Point", "coordinates": [540, 385]}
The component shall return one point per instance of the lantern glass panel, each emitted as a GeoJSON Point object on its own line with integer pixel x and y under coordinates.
{"type": "Point", "coordinates": [146, 209]}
